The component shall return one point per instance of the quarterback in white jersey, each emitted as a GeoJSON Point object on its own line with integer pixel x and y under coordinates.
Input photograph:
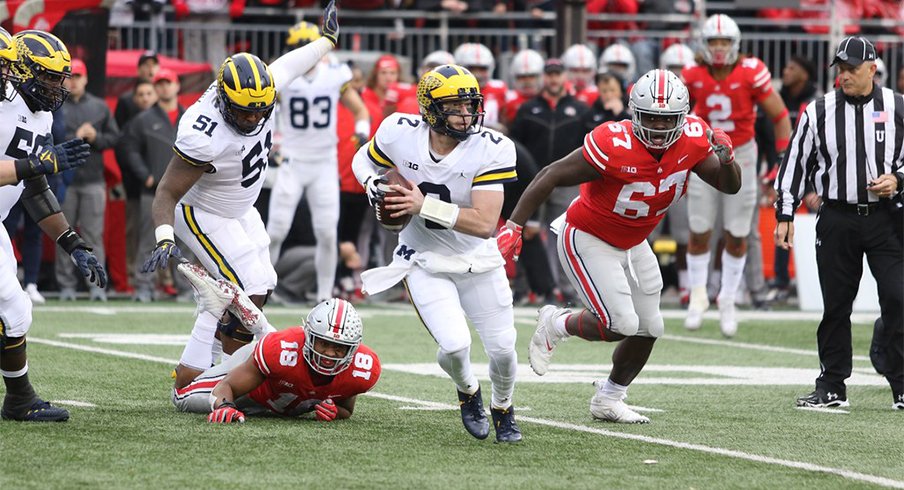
{"type": "Point", "coordinates": [446, 254]}
{"type": "Point", "coordinates": [33, 65]}
{"type": "Point", "coordinates": [306, 123]}
{"type": "Point", "coordinates": [210, 186]}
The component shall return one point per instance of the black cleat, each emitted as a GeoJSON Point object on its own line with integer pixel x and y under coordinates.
{"type": "Point", "coordinates": [472, 414]}
{"type": "Point", "coordinates": [823, 399]}
{"type": "Point", "coordinates": [40, 411]}
{"type": "Point", "coordinates": [504, 423]}
{"type": "Point", "coordinates": [898, 404]}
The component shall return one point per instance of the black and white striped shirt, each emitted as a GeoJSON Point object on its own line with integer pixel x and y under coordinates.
{"type": "Point", "coordinates": [839, 147]}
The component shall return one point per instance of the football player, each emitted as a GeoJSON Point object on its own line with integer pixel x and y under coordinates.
{"type": "Point", "coordinates": [209, 188]}
{"type": "Point", "coordinates": [631, 172]}
{"type": "Point", "coordinates": [34, 66]}
{"type": "Point", "coordinates": [446, 256]}
{"type": "Point", "coordinates": [676, 57]}
{"type": "Point", "coordinates": [527, 72]}
{"type": "Point", "coordinates": [726, 88]}
{"type": "Point", "coordinates": [618, 59]}
{"type": "Point", "coordinates": [269, 375]}
{"type": "Point", "coordinates": [306, 122]}
{"type": "Point", "coordinates": [480, 61]}
{"type": "Point", "coordinates": [580, 69]}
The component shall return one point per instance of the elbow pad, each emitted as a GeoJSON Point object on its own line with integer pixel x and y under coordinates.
{"type": "Point", "coordinates": [37, 199]}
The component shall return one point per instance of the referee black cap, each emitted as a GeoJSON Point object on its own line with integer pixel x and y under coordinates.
{"type": "Point", "coordinates": [854, 50]}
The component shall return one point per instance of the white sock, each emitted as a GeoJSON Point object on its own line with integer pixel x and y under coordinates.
{"type": "Point", "coordinates": [613, 391]}
{"type": "Point", "coordinates": [216, 352]}
{"type": "Point", "coordinates": [458, 366]}
{"type": "Point", "coordinates": [326, 256]}
{"type": "Point", "coordinates": [198, 350]}
{"type": "Point", "coordinates": [682, 280]}
{"type": "Point", "coordinates": [503, 367]}
{"type": "Point", "coordinates": [732, 272]}
{"type": "Point", "coordinates": [558, 325]}
{"type": "Point", "coordinates": [697, 270]}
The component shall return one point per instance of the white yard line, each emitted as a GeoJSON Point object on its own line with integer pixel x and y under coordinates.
{"type": "Point", "coordinates": [851, 475]}
{"type": "Point", "coordinates": [823, 409]}
{"type": "Point", "coordinates": [745, 345]}
{"type": "Point", "coordinates": [74, 403]}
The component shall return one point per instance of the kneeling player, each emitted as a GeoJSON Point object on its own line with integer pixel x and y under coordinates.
{"type": "Point", "coordinates": [268, 376]}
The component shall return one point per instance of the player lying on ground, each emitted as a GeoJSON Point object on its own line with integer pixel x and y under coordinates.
{"type": "Point", "coordinates": [266, 377]}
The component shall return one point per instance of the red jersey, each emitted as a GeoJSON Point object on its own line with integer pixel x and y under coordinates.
{"type": "Point", "coordinates": [588, 95]}
{"type": "Point", "coordinates": [288, 378]}
{"type": "Point", "coordinates": [729, 104]}
{"type": "Point", "coordinates": [345, 150]}
{"type": "Point", "coordinates": [635, 190]}
{"type": "Point", "coordinates": [494, 97]}
{"type": "Point", "coordinates": [399, 91]}
{"type": "Point", "coordinates": [515, 99]}
{"type": "Point", "coordinates": [376, 107]}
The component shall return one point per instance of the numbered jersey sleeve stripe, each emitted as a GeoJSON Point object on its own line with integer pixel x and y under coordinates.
{"type": "Point", "coordinates": [259, 359]}
{"type": "Point", "coordinates": [592, 152]}
{"type": "Point", "coordinates": [188, 159]}
{"type": "Point", "coordinates": [761, 78]}
{"type": "Point", "coordinates": [226, 270]}
{"type": "Point", "coordinates": [497, 176]}
{"type": "Point", "coordinates": [377, 156]}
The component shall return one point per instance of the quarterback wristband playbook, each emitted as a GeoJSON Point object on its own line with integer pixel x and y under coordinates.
{"type": "Point", "coordinates": [442, 213]}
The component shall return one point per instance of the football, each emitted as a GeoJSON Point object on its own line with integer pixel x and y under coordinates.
{"type": "Point", "coordinates": [394, 225]}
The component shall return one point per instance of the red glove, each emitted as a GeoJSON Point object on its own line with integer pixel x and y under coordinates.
{"type": "Point", "coordinates": [326, 410]}
{"type": "Point", "coordinates": [721, 145]}
{"type": "Point", "coordinates": [181, 9]}
{"type": "Point", "coordinates": [508, 239]}
{"type": "Point", "coordinates": [226, 413]}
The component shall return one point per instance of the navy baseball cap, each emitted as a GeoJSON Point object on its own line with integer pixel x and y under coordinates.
{"type": "Point", "coordinates": [854, 50]}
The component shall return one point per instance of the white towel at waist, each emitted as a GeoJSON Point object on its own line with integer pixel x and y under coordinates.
{"type": "Point", "coordinates": [483, 259]}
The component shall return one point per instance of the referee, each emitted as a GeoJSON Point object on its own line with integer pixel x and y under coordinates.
{"type": "Point", "coordinates": [849, 145]}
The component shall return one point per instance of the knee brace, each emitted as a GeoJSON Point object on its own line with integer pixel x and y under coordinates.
{"type": "Point", "coordinates": [233, 329]}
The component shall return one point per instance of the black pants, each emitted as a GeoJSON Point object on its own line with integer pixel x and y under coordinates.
{"type": "Point", "coordinates": [842, 237]}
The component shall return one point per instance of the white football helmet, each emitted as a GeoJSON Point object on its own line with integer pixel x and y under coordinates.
{"type": "Point", "coordinates": [527, 63]}
{"type": "Point", "coordinates": [580, 65]}
{"type": "Point", "coordinates": [881, 72]}
{"type": "Point", "coordinates": [334, 320]}
{"type": "Point", "coordinates": [618, 59]}
{"type": "Point", "coordinates": [676, 57]}
{"type": "Point", "coordinates": [658, 93]}
{"type": "Point", "coordinates": [720, 26]}
{"type": "Point", "coordinates": [475, 54]}
{"type": "Point", "coordinates": [437, 58]}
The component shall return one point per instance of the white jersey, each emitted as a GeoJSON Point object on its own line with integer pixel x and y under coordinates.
{"type": "Point", "coordinates": [24, 133]}
{"type": "Point", "coordinates": [239, 161]}
{"type": "Point", "coordinates": [483, 161]}
{"type": "Point", "coordinates": [307, 112]}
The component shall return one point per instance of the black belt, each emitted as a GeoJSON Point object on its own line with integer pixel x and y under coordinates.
{"type": "Point", "coordinates": [859, 209]}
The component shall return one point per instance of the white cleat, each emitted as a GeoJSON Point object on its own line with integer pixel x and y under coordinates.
{"type": "Point", "coordinates": [602, 408]}
{"type": "Point", "coordinates": [727, 322]}
{"type": "Point", "coordinates": [544, 340]}
{"type": "Point", "coordinates": [698, 304]}
{"type": "Point", "coordinates": [34, 295]}
{"type": "Point", "coordinates": [218, 295]}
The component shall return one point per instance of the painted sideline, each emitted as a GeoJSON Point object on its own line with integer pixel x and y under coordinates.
{"type": "Point", "coordinates": [851, 475]}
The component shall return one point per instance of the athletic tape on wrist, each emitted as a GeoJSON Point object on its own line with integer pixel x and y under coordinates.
{"type": "Point", "coordinates": [442, 213]}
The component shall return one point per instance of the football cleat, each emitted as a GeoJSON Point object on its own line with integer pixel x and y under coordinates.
{"type": "Point", "coordinates": [605, 408]}
{"type": "Point", "coordinates": [539, 350]}
{"type": "Point", "coordinates": [823, 399]}
{"type": "Point", "coordinates": [472, 414]}
{"type": "Point", "coordinates": [40, 411]}
{"type": "Point", "coordinates": [898, 403]}
{"type": "Point", "coordinates": [218, 295]}
{"type": "Point", "coordinates": [504, 423]}
{"type": "Point", "coordinates": [727, 322]}
{"type": "Point", "coordinates": [697, 305]}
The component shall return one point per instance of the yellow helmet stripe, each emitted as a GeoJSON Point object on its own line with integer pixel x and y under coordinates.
{"type": "Point", "coordinates": [237, 84]}
{"type": "Point", "coordinates": [257, 75]}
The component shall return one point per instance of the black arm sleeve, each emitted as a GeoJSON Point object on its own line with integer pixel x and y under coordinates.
{"type": "Point", "coordinates": [37, 199]}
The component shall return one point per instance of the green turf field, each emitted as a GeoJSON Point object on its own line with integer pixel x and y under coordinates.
{"type": "Point", "coordinates": [723, 415]}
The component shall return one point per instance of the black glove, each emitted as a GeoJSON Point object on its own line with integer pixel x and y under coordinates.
{"type": "Point", "coordinates": [375, 194]}
{"type": "Point", "coordinates": [160, 256]}
{"type": "Point", "coordinates": [53, 159]}
{"type": "Point", "coordinates": [330, 26]}
{"type": "Point", "coordinates": [83, 257]}
{"type": "Point", "coordinates": [92, 270]}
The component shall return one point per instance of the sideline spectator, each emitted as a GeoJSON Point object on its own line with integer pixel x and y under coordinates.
{"type": "Point", "coordinates": [89, 118]}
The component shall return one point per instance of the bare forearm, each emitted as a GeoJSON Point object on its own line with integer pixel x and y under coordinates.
{"type": "Point", "coordinates": [729, 178]}
{"type": "Point", "coordinates": [164, 206]}
{"type": "Point", "coordinates": [471, 222]}
{"type": "Point", "coordinates": [8, 173]}
{"type": "Point", "coordinates": [54, 225]}
{"type": "Point", "coordinates": [222, 392]}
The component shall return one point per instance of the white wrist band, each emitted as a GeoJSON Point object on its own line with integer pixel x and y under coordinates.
{"type": "Point", "coordinates": [442, 213]}
{"type": "Point", "coordinates": [164, 232]}
{"type": "Point", "coordinates": [362, 126]}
